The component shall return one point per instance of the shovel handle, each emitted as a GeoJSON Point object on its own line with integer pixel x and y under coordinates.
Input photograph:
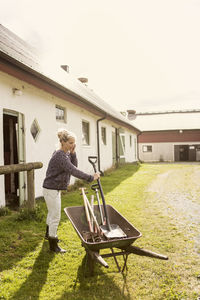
{"type": "Point", "coordinates": [93, 161]}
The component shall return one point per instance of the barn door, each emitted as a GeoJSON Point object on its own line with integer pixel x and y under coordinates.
{"type": "Point", "coordinates": [21, 156]}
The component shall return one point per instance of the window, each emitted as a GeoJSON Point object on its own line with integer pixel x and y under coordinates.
{"type": "Point", "coordinates": [35, 129]}
{"type": "Point", "coordinates": [103, 135]}
{"type": "Point", "coordinates": [85, 133]}
{"type": "Point", "coordinates": [60, 114]}
{"type": "Point", "coordinates": [147, 148]}
{"type": "Point", "coordinates": [130, 140]}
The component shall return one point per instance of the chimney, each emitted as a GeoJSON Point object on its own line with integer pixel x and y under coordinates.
{"type": "Point", "coordinates": [83, 79]}
{"type": "Point", "coordinates": [131, 114]}
{"type": "Point", "coordinates": [65, 67]}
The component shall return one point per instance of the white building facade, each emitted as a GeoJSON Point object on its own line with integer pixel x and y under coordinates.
{"type": "Point", "coordinates": [32, 108]}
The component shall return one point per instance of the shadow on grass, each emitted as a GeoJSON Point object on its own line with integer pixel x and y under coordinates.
{"type": "Point", "coordinates": [17, 239]}
{"type": "Point", "coordinates": [31, 288]}
{"type": "Point", "coordinates": [93, 287]}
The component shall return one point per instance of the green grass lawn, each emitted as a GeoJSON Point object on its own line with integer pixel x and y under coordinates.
{"type": "Point", "coordinates": [28, 270]}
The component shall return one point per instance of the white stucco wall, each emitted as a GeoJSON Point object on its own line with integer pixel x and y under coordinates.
{"type": "Point", "coordinates": [160, 151]}
{"type": "Point", "coordinates": [2, 194]}
{"type": "Point", "coordinates": [37, 104]}
{"type": "Point", "coordinates": [130, 149]}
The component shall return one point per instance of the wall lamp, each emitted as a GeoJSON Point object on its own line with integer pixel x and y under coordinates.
{"type": "Point", "coordinates": [17, 92]}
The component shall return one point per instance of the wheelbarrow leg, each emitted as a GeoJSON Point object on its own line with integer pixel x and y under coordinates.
{"type": "Point", "coordinates": [119, 269]}
{"type": "Point", "coordinates": [144, 252]}
{"type": "Point", "coordinates": [125, 257]}
{"type": "Point", "coordinates": [92, 258]}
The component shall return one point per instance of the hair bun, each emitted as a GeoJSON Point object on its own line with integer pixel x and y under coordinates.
{"type": "Point", "coordinates": [64, 135]}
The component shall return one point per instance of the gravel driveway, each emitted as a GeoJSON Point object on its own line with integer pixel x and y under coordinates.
{"type": "Point", "coordinates": [177, 193]}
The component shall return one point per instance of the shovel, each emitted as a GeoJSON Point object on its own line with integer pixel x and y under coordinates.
{"type": "Point", "coordinates": [95, 187]}
{"type": "Point", "coordinates": [109, 230]}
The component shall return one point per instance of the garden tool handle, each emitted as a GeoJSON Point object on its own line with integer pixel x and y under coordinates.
{"type": "Point", "coordinates": [94, 186]}
{"type": "Point", "coordinates": [93, 160]}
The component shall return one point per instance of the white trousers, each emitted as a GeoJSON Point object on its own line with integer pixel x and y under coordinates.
{"type": "Point", "coordinates": [53, 202]}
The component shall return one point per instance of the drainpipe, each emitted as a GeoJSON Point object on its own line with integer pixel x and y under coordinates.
{"type": "Point", "coordinates": [98, 144]}
{"type": "Point", "coordinates": [116, 146]}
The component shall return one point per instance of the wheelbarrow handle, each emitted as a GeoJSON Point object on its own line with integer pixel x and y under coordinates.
{"type": "Point", "coordinates": [93, 161]}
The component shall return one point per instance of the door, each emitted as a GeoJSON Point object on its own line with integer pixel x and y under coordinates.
{"type": "Point", "coordinates": [21, 157]}
{"type": "Point", "coordinates": [198, 153]}
{"type": "Point", "coordinates": [10, 157]}
{"type": "Point", "coordinates": [184, 152]}
{"type": "Point", "coordinates": [192, 153]}
{"type": "Point", "coordinates": [13, 137]}
{"type": "Point", "coordinates": [121, 145]}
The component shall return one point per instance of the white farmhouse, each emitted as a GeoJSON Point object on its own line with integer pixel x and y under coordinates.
{"type": "Point", "coordinates": [35, 102]}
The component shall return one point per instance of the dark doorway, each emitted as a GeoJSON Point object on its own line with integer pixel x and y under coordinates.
{"type": "Point", "coordinates": [184, 153]}
{"type": "Point", "coordinates": [10, 157]}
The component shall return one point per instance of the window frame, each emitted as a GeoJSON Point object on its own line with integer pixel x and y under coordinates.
{"type": "Point", "coordinates": [87, 143]}
{"type": "Point", "coordinates": [64, 119]}
{"type": "Point", "coordinates": [104, 135]}
{"type": "Point", "coordinates": [35, 126]}
{"type": "Point", "coordinates": [130, 139]}
{"type": "Point", "coordinates": [149, 148]}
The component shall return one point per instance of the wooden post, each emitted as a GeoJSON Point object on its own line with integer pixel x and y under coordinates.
{"type": "Point", "coordinates": [20, 167]}
{"type": "Point", "coordinates": [29, 168]}
{"type": "Point", "coordinates": [31, 190]}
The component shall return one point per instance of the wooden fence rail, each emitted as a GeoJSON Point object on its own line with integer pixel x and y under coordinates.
{"type": "Point", "coordinates": [29, 168]}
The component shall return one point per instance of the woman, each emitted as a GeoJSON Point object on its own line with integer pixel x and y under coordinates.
{"type": "Point", "coordinates": [62, 165]}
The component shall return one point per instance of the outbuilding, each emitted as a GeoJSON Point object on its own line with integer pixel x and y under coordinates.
{"type": "Point", "coordinates": [168, 135]}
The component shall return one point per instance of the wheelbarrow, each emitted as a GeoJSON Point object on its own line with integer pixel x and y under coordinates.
{"type": "Point", "coordinates": [77, 217]}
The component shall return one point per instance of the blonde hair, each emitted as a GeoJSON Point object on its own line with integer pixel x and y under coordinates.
{"type": "Point", "coordinates": [64, 135]}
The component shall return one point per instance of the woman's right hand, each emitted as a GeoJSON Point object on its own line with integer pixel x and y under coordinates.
{"type": "Point", "coordinates": [96, 176]}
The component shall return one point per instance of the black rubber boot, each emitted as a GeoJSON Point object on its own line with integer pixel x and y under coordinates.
{"type": "Point", "coordinates": [53, 245]}
{"type": "Point", "coordinates": [47, 233]}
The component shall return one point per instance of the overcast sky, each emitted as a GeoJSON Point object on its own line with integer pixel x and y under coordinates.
{"type": "Point", "coordinates": [137, 54]}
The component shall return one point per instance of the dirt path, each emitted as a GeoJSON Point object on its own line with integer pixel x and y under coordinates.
{"type": "Point", "coordinates": [176, 192]}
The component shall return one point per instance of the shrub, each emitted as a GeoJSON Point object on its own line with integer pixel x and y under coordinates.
{"type": "Point", "coordinates": [4, 211]}
{"type": "Point", "coordinates": [36, 214]}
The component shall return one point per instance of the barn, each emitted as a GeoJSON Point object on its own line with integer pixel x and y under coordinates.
{"type": "Point", "coordinates": [168, 135]}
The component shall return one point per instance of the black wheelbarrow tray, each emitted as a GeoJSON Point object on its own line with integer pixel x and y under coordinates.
{"type": "Point", "coordinates": [76, 215]}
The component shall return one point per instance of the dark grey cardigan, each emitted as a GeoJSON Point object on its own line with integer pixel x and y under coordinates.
{"type": "Point", "coordinates": [61, 166]}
